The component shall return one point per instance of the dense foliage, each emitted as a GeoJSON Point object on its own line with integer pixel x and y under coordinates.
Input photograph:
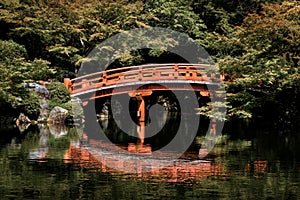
{"type": "Point", "coordinates": [59, 95]}
{"type": "Point", "coordinates": [15, 70]}
{"type": "Point", "coordinates": [264, 62]}
{"type": "Point", "coordinates": [254, 42]}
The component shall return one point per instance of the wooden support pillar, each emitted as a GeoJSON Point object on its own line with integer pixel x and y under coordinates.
{"type": "Point", "coordinates": [141, 114]}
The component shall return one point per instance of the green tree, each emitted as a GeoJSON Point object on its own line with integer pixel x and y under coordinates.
{"type": "Point", "coordinates": [14, 71]}
{"type": "Point", "coordinates": [62, 31]}
{"type": "Point", "coordinates": [263, 62]}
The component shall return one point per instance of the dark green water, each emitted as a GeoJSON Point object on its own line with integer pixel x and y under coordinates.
{"type": "Point", "coordinates": [250, 163]}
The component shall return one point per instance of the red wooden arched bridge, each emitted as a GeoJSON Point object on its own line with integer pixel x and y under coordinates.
{"type": "Point", "coordinates": [141, 81]}
{"type": "Point", "coordinates": [150, 77]}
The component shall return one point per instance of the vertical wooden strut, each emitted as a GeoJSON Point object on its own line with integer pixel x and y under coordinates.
{"type": "Point", "coordinates": [141, 114]}
{"type": "Point", "coordinates": [141, 108]}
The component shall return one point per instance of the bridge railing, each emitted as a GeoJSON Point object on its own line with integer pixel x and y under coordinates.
{"type": "Point", "coordinates": [153, 72]}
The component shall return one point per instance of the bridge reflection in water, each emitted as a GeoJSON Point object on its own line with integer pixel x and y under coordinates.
{"type": "Point", "coordinates": [178, 171]}
{"type": "Point", "coordinates": [181, 170]}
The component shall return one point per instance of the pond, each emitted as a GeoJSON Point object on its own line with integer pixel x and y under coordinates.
{"type": "Point", "coordinates": [252, 161]}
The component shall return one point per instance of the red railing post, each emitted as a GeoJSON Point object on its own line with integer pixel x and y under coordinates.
{"type": "Point", "coordinates": [85, 83]}
{"type": "Point", "coordinates": [104, 78]}
{"type": "Point", "coordinates": [176, 74]}
{"type": "Point", "coordinates": [140, 75]}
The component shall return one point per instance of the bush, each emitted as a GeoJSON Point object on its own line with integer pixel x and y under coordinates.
{"type": "Point", "coordinates": [10, 50]}
{"type": "Point", "coordinates": [59, 95]}
{"type": "Point", "coordinates": [30, 104]}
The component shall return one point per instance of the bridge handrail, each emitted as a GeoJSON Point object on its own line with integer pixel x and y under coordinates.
{"type": "Point", "coordinates": [143, 67]}
{"type": "Point", "coordinates": [138, 73]}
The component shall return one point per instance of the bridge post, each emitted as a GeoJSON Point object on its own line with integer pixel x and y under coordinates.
{"type": "Point", "coordinates": [141, 114]}
{"type": "Point", "coordinates": [67, 82]}
{"type": "Point", "coordinates": [141, 108]}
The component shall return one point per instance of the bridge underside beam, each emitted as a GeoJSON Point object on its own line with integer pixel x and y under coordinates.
{"type": "Point", "coordinates": [202, 89]}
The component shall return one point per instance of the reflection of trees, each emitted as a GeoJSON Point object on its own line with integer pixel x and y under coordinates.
{"type": "Point", "coordinates": [50, 140]}
{"type": "Point", "coordinates": [256, 170]}
{"type": "Point", "coordinates": [50, 143]}
{"type": "Point", "coordinates": [255, 173]}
